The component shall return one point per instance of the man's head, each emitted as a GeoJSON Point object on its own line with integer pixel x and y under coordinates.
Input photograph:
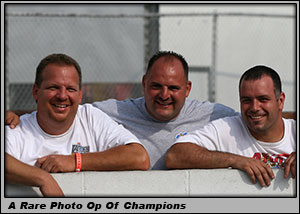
{"type": "Point", "coordinates": [261, 100]}
{"type": "Point", "coordinates": [58, 59]}
{"type": "Point", "coordinates": [166, 85]}
{"type": "Point", "coordinates": [57, 90]}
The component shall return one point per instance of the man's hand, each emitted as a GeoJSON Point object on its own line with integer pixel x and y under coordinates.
{"type": "Point", "coordinates": [256, 169]}
{"type": "Point", "coordinates": [11, 119]}
{"type": "Point", "coordinates": [57, 163]}
{"type": "Point", "coordinates": [191, 156]}
{"type": "Point", "coordinates": [289, 166]}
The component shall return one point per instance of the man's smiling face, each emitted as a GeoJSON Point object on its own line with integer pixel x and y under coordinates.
{"type": "Point", "coordinates": [260, 108]}
{"type": "Point", "coordinates": [59, 94]}
{"type": "Point", "coordinates": [165, 88]}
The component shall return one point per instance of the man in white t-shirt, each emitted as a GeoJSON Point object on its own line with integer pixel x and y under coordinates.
{"type": "Point", "coordinates": [255, 141]}
{"type": "Point", "coordinates": [64, 136]}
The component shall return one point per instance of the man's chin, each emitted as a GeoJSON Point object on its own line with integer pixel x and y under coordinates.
{"type": "Point", "coordinates": [257, 129]}
{"type": "Point", "coordinates": [164, 116]}
{"type": "Point", "coordinates": [59, 117]}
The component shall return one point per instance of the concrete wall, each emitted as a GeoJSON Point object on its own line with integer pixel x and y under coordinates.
{"type": "Point", "coordinates": [182, 183]}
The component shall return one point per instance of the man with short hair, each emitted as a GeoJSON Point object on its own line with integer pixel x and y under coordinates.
{"type": "Point", "coordinates": [64, 136]}
{"type": "Point", "coordinates": [255, 141]}
{"type": "Point", "coordinates": [163, 112]}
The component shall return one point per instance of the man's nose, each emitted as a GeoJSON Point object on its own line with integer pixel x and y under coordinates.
{"type": "Point", "coordinates": [62, 94]}
{"type": "Point", "coordinates": [164, 93]}
{"type": "Point", "coordinates": [255, 105]}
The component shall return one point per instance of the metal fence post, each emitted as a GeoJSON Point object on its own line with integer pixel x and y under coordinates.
{"type": "Point", "coordinates": [212, 73]}
{"type": "Point", "coordinates": [151, 35]}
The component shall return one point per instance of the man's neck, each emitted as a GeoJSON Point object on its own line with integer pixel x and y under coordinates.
{"type": "Point", "coordinates": [272, 135]}
{"type": "Point", "coordinates": [52, 127]}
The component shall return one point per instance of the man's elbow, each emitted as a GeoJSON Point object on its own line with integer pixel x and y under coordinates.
{"type": "Point", "coordinates": [142, 159]}
{"type": "Point", "coordinates": [171, 158]}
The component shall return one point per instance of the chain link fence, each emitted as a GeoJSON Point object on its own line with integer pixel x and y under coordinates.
{"type": "Point", "coordinates": [113, 51]}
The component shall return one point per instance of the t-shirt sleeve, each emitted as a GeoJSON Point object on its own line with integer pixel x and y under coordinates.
{"type": "Point", "coordinates": [12, 146]}
{"type": "Point", "coordinates": [108, 133]}
{"type": "Point", "coordinates": [206, 137]}
{"type": "Point", "coordinates": [107, 106]}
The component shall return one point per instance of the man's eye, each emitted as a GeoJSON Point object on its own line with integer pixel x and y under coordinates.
{"type": "Point", "coordinates": [52, 88]}
{"type": "Point", "coordinates": [155, 86]}
{"type": "Point", "coordinates": [246, 101]}
{"type": "Point", "coordinates": [72, 89]}
{"type": "Point", "coordinates": [263, 99]}
{"type": "Point", "coordinates": [174, 88]}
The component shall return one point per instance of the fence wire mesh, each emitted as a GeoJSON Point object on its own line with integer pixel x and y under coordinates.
{"type": "Point", "coordinates": [113, 50]}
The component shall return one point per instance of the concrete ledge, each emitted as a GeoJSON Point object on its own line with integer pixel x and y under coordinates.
{"type": "Point", "coordinates": [170, 183]}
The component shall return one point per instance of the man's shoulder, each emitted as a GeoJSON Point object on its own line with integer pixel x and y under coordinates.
{"type": "Point", "coordinates": [230, 120]}
{"type": "Point", "coordinates": [192, 102]}
{"type": "Point", "coordinates": [112, 105]}
{"type": "Point", "coordinates": [215, 110]}
{"type": "Point", "coordinates": [27, 125]}
{"type": "Point", "coordinates": [27, 119]}
{"type": "Point", "coordinates": [88, 109]}
{"type": "Point", "coordinates": [93, 112]}
{"type": "Point", "coordinates": [205, 104]}
{"type": "Point", "coordinates": [289, 120]}
{"type": "Point", "coordinates": [196, 105]}
{"type": "Point", "coordinates": [290, 123]}
{"type": "Point", "coordinates": [232, 125]}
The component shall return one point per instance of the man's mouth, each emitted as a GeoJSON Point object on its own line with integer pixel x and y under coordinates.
{"type": "Point", "coordinates": [163, 103]}
{"type": "Point", "coordinates": [60, 106]}
{"type": "Point", "coordinates": [256, 117]}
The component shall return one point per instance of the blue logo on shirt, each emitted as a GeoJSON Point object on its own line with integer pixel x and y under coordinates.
{"type": "Point", "coordinates": [181, 134]}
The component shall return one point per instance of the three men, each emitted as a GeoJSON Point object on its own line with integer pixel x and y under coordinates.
{"type": "Point", "coordinates": [164, 115]}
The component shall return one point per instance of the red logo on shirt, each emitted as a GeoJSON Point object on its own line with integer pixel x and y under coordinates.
{"type": "Point", "coordinates": [274, 161]}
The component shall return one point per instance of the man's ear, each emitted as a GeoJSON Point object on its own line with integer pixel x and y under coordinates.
{"type": "Point", "coordinates": [188, 88]}
{"type": "Point", "coordinates": [144, 81]}
{"type": "Point", "coordinates": [281, 101]}
{"type": "Point", "coordinates": [80, 95]}
{"type": "Point", "coordinates": [35, 89]}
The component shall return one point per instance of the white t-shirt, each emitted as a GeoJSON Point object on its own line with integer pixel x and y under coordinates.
{"type": "Point", "coordinates": [91, 131]}
{"type": "Point", "coordinates": [230, 134]}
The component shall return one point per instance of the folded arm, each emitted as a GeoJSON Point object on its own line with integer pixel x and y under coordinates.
{"type": "Point", "coordinates": [17, 172]}
{"type": "Point", "coordinates": [189, 155]}
{"type": "Point", "coordinates": [132, 156]}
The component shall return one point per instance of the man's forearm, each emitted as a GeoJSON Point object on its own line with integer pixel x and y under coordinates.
{"type": "Point", "coordinates": [21, 173]}
{"type": "Point", "coordinates": [126, 157]}
{"type": "Point", "coordinates": [17, 172]}
{"type": "Point", "coordinates": [189, 155]}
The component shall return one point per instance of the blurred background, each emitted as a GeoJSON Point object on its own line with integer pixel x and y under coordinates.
{"type": "Point", "coordinates": [113, 43]}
